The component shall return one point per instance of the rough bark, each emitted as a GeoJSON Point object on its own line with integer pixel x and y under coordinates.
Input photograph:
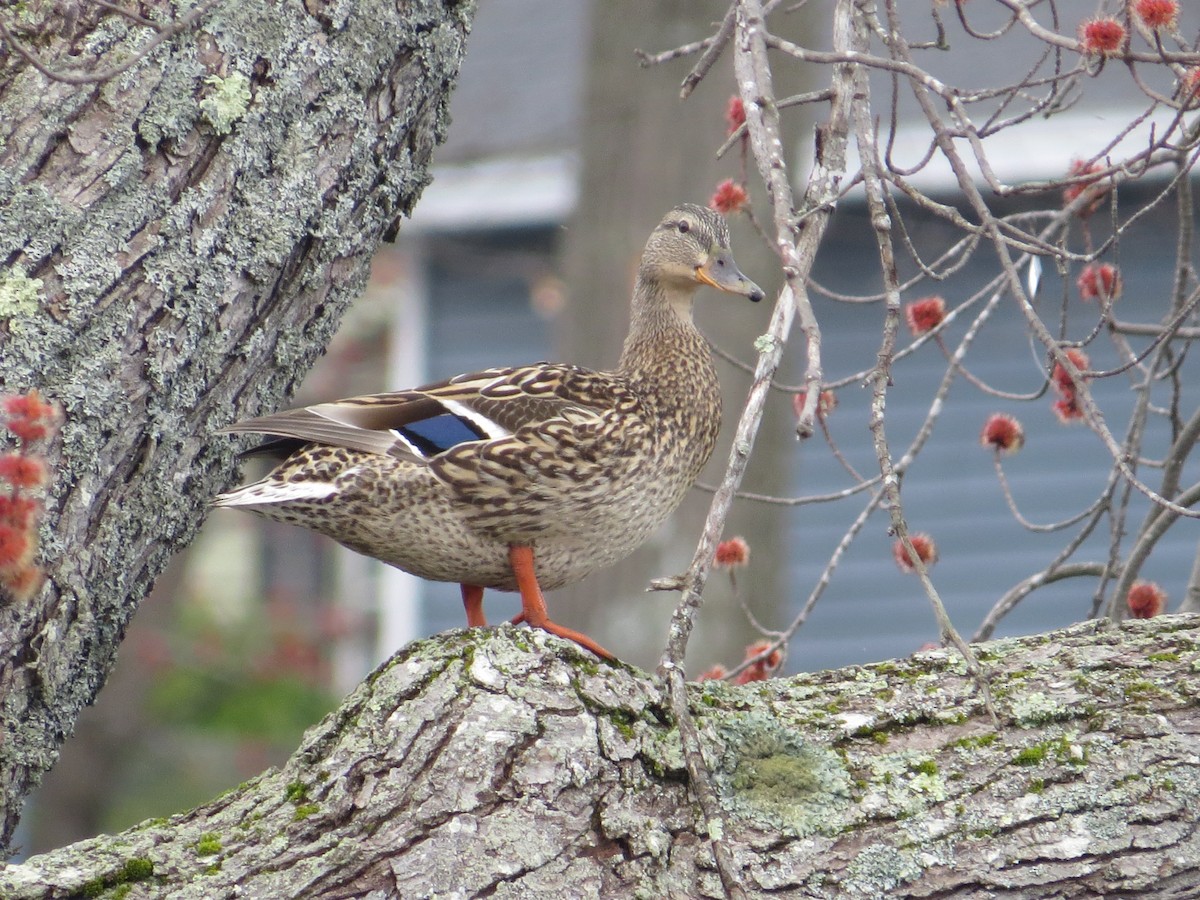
{"type": "Point", "coordinates": [194, 252]}
{"type": "Point", "coordinates": [506, 763]}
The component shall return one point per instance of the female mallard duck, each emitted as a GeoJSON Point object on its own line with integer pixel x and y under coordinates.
{"type": "Point", "coordinates": [519, 478]}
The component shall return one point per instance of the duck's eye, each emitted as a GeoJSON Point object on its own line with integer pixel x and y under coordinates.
{"type": "Point", "coordinates": [683, 227]}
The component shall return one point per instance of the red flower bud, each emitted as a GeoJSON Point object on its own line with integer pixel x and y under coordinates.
{"type": "Point", "coordinates": [925, 548]}
{"type": "Point", "coordinates": [22, 471]}
{"type": "Point", "coordinates": [735, 114]}
{"type": "Point", "coordinates": [1145, 600]}
{"type": "Point", "coordinates": [1101, 37]}
{"type": "Point", "coordinates": [1099, 191]}
{"type": "Point", "coordinates": [1003, 433]}
{"type": "Point", "coordinates": [1156, 13]}
{"type": "Point", "coordinates": [1099, 282]}
{"type": "Point", "coordinates": [732, 554]}
{"type": "Point", "coordinates": [925, 314]}
{"type": "Point", "coordinates": [826, 403]}
{"type": "Point", "coordinates": [729, 197]}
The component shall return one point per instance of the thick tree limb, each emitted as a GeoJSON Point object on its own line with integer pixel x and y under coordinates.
{"type": "Point", "coordinates": [194, 229]}
{"type": "Point", "coordinates": [507, 763]}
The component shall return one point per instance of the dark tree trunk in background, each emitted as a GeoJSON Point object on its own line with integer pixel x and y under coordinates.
{"type": "Point", "coordinates": [645, 150]}
{"type": "Point", "coordinates": [195, 250]}
{"type": "Point", "coordinates": [504, 763]}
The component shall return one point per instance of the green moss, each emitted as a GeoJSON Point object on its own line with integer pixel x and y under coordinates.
{"type": "Point", "coordinates": [624, 728]}
{"type": "Point", "coordinates": [907, 779]}
{"type": "Point", "coordinates": [208, 844]}
{"type": "Point", "coordinates": [137, 868]}
{"type": "Point", "coordinates": [1036, 786]}
{"type": "Point", "coordinates": [297, 792]}
{"type": "Point", "coordinates": [974, 741]}
{"type": "Point", "coordinates": [1164, 656]}
{"type": "Point", "coordinates": [303, 811]}
{"type": "Point", "coordinates": [770, 774]}
{"type": "Point", "coordinates": [1030, 756]}
{"type": "Point", "coordinates": [1062, 749]}
{"type": "Point", "coordinates": [522, 644]}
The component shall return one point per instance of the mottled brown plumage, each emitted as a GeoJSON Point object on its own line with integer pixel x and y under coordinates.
{"type": "Point", "coordinates": [514, 477]}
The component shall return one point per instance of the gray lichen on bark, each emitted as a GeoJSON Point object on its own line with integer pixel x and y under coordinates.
{"type": "Point", "coordinates": [506, 763]}
{"type": "Point", "coordinates": [187, 276]}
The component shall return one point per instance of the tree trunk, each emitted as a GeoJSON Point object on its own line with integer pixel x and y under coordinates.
{"type": "Point", "coordinates": [508, 763]}
{"type": "Point", "coordinates": [194, 227]}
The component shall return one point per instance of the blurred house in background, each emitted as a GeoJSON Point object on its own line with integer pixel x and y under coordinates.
{"type": "Point", "coordinates": [260, 626]}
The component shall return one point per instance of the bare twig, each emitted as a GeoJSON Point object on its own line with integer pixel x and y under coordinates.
{"type": "Point", "coordinates": [880, 380]}
{"type": "Point", "coordinates": [1008, 602]}
{"type": "Point", "coordinates": [80, 77]}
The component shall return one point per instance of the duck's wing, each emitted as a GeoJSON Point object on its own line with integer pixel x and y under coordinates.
{"type": "Point", "coordinates": [419, 424]}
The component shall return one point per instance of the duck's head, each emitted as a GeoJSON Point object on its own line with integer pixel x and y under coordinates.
{"type": "Point", "coordinates": [690, 247]}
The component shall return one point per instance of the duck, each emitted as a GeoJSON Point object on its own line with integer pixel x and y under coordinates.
{"type": "Point", "coordinates": [524, 478]}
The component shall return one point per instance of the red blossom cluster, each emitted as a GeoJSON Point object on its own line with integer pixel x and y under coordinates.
{"type": "Point", "coordinates": [1099, 282]}
{"type": "Point", "coordinates": [827, 402]}
{"type": "Point", "coordinates": [1002, 433]}
{"type": "Point", "coordinates": [732, 554]}
{"type": "Point", "coordinates": [1101, 37]}
{"type": "Point", "coordinates": [925, 548]}
{"type": "Point", "coordinates": [759, 670]}
{"type": "Point", "coordinates": [1157, 13]}
{"type": "Point", "coordinates": [925, 314]}
{"type": "Point", "coordinates": [729, 197]}
{"type": "Point", "coordinates": [1146, 600]}
{"type": "Point", "coordinates": [735, 114]}
{"type": "Point", "coordinates": [31, 420]}
{"type": "Point", "coordinates": [1189, 86]}
{"type": "Point", "coordinates": [1097, 192]}
{"type": "Point", "coordinates": [1067, 406]}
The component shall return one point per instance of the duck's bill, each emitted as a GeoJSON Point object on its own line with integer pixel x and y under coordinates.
{"type": "Point", "coordinates": [722, 273]}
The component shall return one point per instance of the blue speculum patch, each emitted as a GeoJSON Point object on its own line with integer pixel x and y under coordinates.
{"type": "Point", "coordinates": [440, 432]}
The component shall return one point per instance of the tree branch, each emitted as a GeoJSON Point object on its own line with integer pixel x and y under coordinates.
{"type": "Point", "coordinates": [507, 761]}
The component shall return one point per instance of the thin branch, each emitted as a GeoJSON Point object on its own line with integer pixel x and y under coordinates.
{"type": "Point", "coordinates": [880, 380]}
{"type": "Point", "coordinates": [80, 77]}
{"type": "Point", "coordinates": [1016, 594]}
{"type": "Point", "coordinates": [1031, 526]}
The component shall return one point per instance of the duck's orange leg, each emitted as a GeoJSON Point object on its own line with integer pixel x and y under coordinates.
{"type": "Point", "coordinates": [472, 595]}
{"type": "Point", "coordinates": [533, 604]}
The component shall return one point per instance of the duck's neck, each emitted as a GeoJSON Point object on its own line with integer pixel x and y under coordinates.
{"type": "Point", "coordinates": [664, 348]}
